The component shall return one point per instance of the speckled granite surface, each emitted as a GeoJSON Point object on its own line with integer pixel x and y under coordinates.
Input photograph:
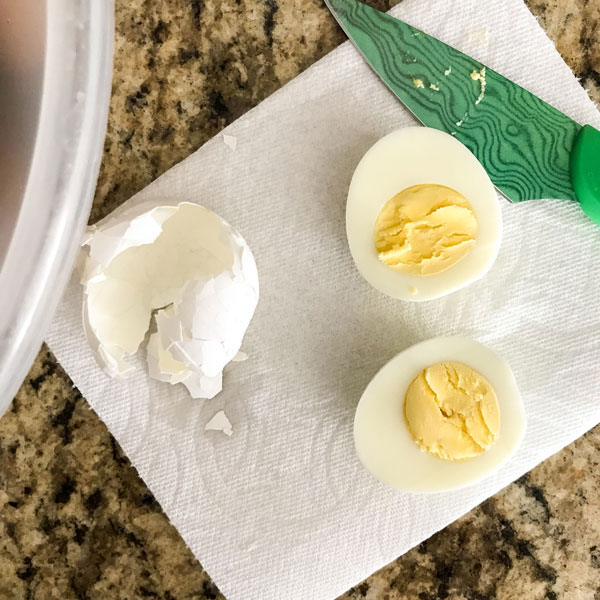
{"type": "Point", "coordinates": [76, 521]}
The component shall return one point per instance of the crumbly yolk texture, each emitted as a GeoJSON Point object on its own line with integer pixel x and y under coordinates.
{"type": "Point", "coordinates": [425, 229]}
{"type": "Point", "coordinates": [452, 411]}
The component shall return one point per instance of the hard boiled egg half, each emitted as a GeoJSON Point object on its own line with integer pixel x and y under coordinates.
{"type": "Point", "coordinates": [440, 415]}
{"type": "Point", "coordinates": [422, 218]}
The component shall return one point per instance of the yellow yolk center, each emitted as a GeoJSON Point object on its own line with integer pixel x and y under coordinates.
{"type": "Point", "coordinates": [425, 229]}
{"type": "Point", "coordinates": [452, 411]}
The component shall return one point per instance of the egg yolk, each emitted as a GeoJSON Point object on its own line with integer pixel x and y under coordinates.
{"type": "Point", "coordinates": [452, 411]}
{"type": "Point", "coordinates": [425, 229]}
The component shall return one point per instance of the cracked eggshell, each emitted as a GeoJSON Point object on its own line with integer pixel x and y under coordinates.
{"type": "Point", "coordinates": [384, 443]}
{"type": "Point", "coordinates": [181, 266]}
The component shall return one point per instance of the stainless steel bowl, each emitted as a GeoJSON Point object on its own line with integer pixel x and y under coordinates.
{"type": "Point", "coordinates": [55, 76]}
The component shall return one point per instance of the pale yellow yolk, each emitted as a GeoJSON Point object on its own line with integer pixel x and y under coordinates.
{"type": "Point", "coordinates": [452, 411]}
{"type": "Point", "coordinates": [425, 229]}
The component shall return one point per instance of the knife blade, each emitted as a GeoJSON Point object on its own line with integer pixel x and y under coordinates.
{"type": "Point", "coordinates": [530, 149]}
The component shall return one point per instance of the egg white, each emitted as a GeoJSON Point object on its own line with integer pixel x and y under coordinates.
{"type": "Point", "coordinates": [383, 441]}
{"type": "Point", "coordinates": [412, 156]}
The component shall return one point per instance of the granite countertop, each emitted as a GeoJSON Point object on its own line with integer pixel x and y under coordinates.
{"type": "Point", "coordinates": [75, 519]}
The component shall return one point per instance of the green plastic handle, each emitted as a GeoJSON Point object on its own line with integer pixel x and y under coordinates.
{"type": "Point", "coordinates": [585, 171]}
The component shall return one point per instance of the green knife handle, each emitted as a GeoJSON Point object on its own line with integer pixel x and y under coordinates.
{"type": "Point", "coordinates": [585, 171]}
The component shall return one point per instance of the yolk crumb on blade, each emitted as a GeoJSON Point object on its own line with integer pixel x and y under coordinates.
{"type": "Point", "coordinates": [452, 411]}
{"type": "Point", "coordinates": [479, 76]}
{"type": "Point", "coordinates": [425, 229]}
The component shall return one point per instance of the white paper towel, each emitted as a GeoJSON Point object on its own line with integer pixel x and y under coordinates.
{"type": "Point", "coordinates": [283, 509]}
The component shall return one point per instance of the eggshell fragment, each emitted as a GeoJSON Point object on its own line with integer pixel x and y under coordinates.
{"type": "Point", "coordinates": [179, 271]}
{"type": "Point", "coordinates": [221, 423]}
{"type": "Point", "coordinates": [230, 141]}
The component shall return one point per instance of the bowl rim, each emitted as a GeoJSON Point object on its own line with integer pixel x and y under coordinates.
{"type": "Point", "coordinates": [61, 181]}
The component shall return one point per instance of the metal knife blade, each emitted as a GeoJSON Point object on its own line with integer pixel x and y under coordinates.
{"type": "Point", "coordinates": [524, 143]}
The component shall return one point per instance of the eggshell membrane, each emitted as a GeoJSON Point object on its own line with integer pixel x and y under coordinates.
{"type": "Point", "coordinates": [412, 156]}
{"type": "Point", "coordinates": [383, 441]}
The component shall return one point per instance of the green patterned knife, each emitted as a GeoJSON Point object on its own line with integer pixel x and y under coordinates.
{"type": "Point", "coordinates": [529, 149]}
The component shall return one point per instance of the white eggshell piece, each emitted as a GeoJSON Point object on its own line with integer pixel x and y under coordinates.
{"type": "Point", "coordinates": [221, 423]}
{"type": "Point", "coordinates": [230, 141]}
{"type": "Point", "coordinates": [185, 268]}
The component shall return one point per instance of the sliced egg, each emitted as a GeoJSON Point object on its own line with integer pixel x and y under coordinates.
{"type": "Point", "coordinates": [453, 242]}
{"type": "Point", "coordinates": [382, 437]}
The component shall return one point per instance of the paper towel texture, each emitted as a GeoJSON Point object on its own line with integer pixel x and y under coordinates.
{"type": "Point", "coordinates": [283, 509]}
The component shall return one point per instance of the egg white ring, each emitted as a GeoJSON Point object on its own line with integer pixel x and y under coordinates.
{"type": "Point", "coordinates": [383, 441]}
{"type": "Point", "coordinates": [413, 156]}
